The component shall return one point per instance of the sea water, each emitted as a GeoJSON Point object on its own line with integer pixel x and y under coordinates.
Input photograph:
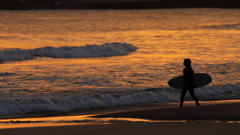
{"type": "Point", "coordinates": [66, 60]}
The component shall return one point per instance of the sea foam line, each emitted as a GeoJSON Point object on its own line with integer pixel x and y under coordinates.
{"type": "Point", "coordinates": [11, 104]}
{"type": "Point", "coordinates": [104, 50]}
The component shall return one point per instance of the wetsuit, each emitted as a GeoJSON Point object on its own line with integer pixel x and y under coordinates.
{"type": "Point", "coordinates": [188, 84]}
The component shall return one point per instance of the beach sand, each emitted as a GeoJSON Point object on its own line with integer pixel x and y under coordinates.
{"type": "Point", "coordinates": [219, 112]}
{"type": "Point", "coordinates": [219, 119]}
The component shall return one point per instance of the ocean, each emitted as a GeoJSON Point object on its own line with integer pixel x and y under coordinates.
{"type": "Point", "coordinates": [67, 60]}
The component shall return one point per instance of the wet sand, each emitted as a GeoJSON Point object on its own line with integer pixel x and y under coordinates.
{"type": "Point", "coordinates": [219, 119]}
{"type": "Point", "coordinates": [133, 129]}
{"type": "Point", "coordinates": [219, 112]}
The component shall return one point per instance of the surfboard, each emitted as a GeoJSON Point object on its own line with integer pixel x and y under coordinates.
{"type": "Point", "coordinates": [199, 80]}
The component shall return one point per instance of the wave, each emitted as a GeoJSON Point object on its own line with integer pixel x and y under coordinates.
{"type": "Point", "coordinates": [22, 104]}
{"type": "Point", "coordinates": [6, 74]}
{"type": "Point", "coordinates": [223, 26]}
{"type": "Point", "coordinates": [105, 50]}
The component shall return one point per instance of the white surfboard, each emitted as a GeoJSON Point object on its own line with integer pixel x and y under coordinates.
{"type": "Point", "coordinates": [199, 80]}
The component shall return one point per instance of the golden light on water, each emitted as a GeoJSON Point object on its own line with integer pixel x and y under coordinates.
{"type": "Point", "coordinates": [163, 38]}
{"type": "Point", "coordinates": [152, 44]}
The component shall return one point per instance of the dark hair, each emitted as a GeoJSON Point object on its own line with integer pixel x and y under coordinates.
{"type": "Point", "coordinates": [187, 61]}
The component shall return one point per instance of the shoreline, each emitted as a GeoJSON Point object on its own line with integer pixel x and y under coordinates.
{"type": "Point", "coordinates": [216, 112]}
{"type": "Point", "coordinates": [222, 112]}
{"type": "Point", "coordinates": [114, 109]}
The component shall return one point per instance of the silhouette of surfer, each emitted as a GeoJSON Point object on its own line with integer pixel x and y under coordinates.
{"type": "Point", "coordinates": [187, 82]}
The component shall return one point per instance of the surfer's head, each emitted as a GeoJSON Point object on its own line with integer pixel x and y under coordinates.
{"type": "Point", "coordinates": [187, 62]}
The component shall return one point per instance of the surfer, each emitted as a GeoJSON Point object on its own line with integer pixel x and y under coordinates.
{"type": "Point", "coordinates": [187, 82]}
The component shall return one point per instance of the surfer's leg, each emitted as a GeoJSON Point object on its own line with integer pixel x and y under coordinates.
{"type": "Point", "coordinates": [183, 93]}
{"type": "Point", "coordinates": [191, 91]}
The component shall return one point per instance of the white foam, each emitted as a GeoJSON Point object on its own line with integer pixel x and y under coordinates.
{"type": "Point", "coordinates": [21, 104]}
{"type": "Point", "coordinates": [108, 49]}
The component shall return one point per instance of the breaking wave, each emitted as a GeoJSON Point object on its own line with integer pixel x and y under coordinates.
{"type": "Point", "coordinates": [22, 104]}
{"type": "Point", "coordinates": [105, 50]}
